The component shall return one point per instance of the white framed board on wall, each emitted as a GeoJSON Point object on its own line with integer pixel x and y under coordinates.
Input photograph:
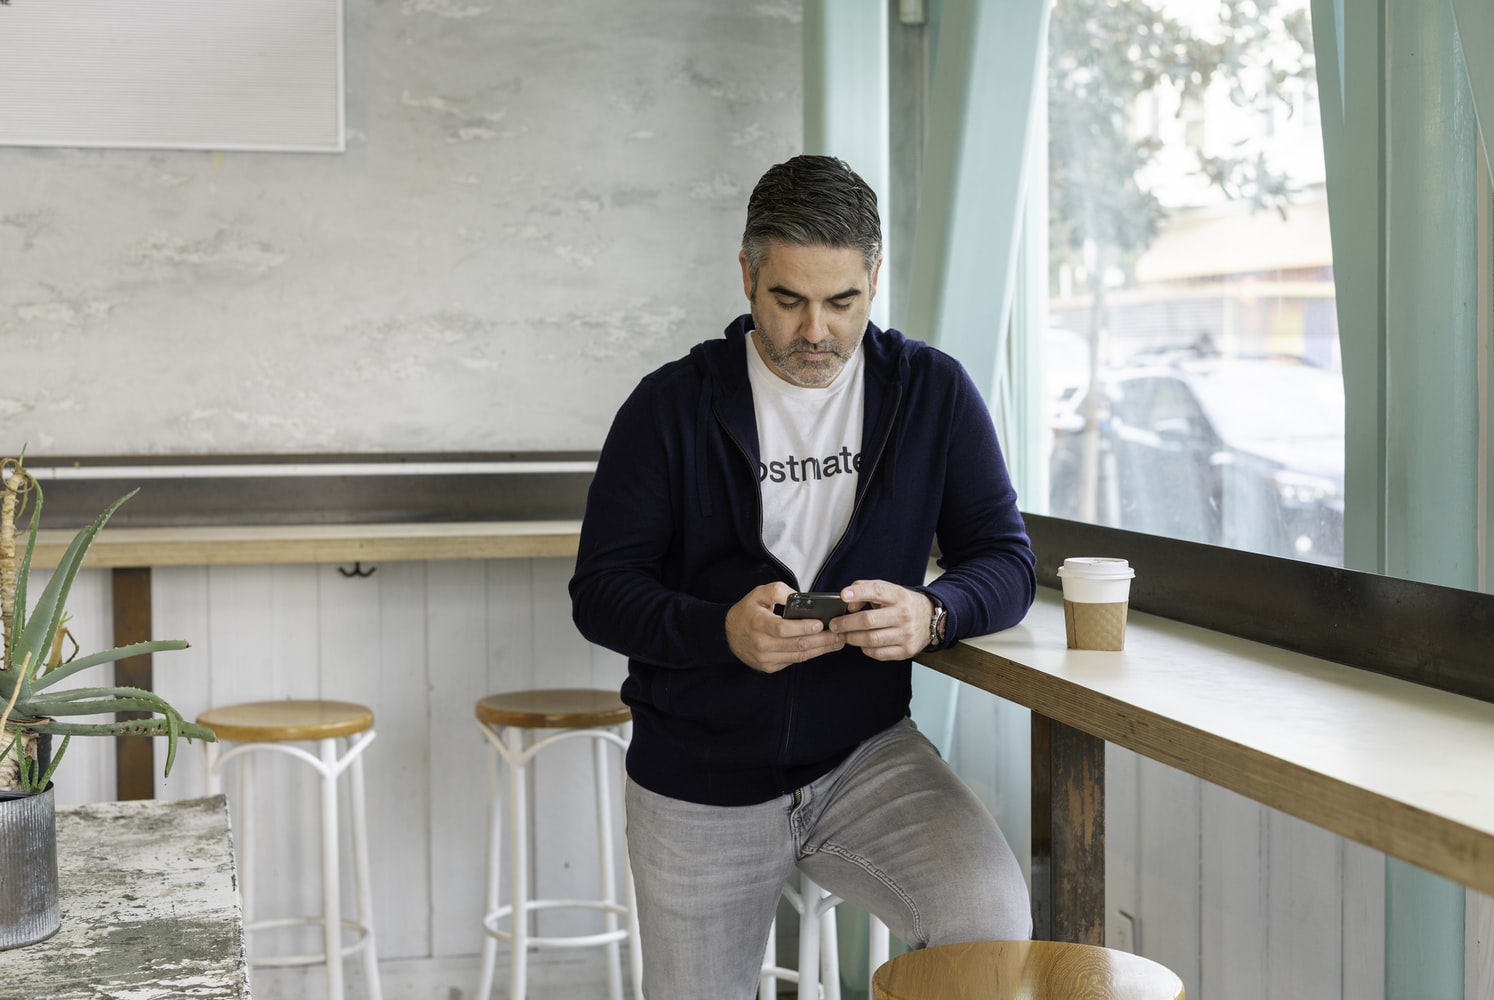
{"type": "Point", "coordinates": [172, 74]}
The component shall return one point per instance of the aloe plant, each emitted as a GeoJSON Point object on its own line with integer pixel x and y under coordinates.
{"type": "Point", "coordinates": [30, 704]}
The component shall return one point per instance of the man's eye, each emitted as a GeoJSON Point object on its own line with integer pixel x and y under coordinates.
{"type": "Point", "coordinates": [840, 305]}
{"type": "Point", "coordinates": [788, 303]}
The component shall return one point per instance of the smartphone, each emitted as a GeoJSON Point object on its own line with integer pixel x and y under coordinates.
{"type": "Point", "coordinates": [823, 606]}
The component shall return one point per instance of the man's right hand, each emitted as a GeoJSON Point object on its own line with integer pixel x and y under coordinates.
{"type": "Point", "coordinates": [768, 642]}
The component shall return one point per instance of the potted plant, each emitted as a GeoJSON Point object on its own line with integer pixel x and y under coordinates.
{"type": "Point", "coordinates": [33, 709]}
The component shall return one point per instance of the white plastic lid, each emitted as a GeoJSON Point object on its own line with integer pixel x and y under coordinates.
{"type": "Point", "coordinates": [1096, 568]}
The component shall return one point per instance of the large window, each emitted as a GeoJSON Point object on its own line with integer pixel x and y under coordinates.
{"type": "Point", "coordinates": [1191, 362]}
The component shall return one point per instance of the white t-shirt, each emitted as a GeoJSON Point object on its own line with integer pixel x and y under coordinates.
{"type": "Point", "coordinates": [809, 443]}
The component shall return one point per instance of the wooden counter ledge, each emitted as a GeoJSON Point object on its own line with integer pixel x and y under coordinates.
{"type": "Point", "coordinates": [316, 543]}
{"type": "Point", "coordinates": [1398, 766]}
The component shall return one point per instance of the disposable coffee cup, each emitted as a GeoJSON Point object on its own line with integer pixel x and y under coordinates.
{"type": "Point", "coordinates": [1096, 594]}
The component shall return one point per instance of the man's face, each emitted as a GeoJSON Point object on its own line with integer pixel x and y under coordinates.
{"type": "Point", "coordinates": [810, 309]}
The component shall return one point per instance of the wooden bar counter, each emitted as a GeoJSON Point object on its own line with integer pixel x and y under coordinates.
{"type": "Point", "coordinates": [1398, 766]}
{"type": "Point", "coordinates": [315, 543]}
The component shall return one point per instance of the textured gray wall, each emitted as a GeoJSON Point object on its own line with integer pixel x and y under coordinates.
{"type": "Point", "coordinates": [539, 203]}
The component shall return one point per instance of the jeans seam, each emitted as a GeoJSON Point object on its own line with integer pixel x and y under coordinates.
{"type": "Point", "coordinates": [881, 876]}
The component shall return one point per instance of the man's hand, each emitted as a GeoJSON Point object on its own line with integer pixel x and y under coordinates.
{"type": "Point", "coordinates": [892, 622]}
{"type": "Point", "coordinates": [768, 642]}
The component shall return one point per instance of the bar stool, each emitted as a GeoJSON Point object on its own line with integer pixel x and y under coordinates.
{"type": "Point", "coordinates": [819, 947]}
{"type": "Point", "coordinates": [819, 954]}
{"type": "Point", "coordinates": [1023, 970]}
{"type": "Point", "coordinates": [272, 726]}
{"type": "Point", "coordinates": [509, 722]}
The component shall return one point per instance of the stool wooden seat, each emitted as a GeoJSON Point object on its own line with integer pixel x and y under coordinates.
{"type": "Point", "coordinates": [556, 708]}
{"type": "Point", "coordinates": [287, 721]}
{"type": "Point", "coordinates": [517, 726]}
{"type": "Point", "coordinates": [341, 731]}
{"type": "Point", "coordinates": [1023, 970]}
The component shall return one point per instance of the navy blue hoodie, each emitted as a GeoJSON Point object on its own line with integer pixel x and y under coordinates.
{"type": "Point", "coordinates": [672, 538]}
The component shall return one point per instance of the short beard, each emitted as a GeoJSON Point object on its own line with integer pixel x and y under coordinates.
{"type": "Point", "coordinates": [810, 374]}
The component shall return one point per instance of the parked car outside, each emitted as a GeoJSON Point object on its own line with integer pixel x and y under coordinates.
{"type": "Point", "coordinates": [1247, 453]}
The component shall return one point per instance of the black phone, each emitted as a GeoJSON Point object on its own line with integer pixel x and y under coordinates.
{"type": "Point", "coordinates": [814, 604]}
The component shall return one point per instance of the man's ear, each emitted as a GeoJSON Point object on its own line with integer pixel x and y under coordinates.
{"type": "Point", "coordinates": [876, 270]}
{"type": "Point", "coordinates": [746, 275]}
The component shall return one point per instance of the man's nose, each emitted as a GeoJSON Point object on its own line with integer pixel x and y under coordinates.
{"type": "Point", "coordinates": [816, 324]}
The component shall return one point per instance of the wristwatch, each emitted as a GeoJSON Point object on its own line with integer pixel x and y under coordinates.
{"type": "Point", "coordinates": [936, 620]}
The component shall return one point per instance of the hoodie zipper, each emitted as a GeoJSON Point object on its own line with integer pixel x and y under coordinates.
{"type": "Point", "coordinates": [788, 719]}
{"type": "Point", "coordinates": [897, 403]}
{"type": "Point", "coordinates": [788, 708]}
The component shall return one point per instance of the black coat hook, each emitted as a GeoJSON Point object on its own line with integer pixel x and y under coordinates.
{"type": "Point", "coordinates": [358, 570]}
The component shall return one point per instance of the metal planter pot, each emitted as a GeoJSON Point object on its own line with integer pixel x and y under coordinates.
{"type": "Point", "coordinates": [29, 908]}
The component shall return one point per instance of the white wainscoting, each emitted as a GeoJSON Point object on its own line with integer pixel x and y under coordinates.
{"type": "Point", "coordinates": [419, 643]}
{"type": "Point", "coordinates": [1242, 901]}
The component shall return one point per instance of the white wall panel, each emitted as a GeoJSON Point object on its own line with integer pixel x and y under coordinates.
{"type": "Point", "coordinates": [1303, 919]}
{"type": "Point", "coordinates": [1233, 896]}
{"type": "Point", "coordinates": [457, 669]}
{"type": "Point", "coordinates": [1122, 850]}
{"type": "Point", "coordinates": [180, 610]}
{"type": "Point", "coordinates": [1242, 902]}
{"type": "Point", "coordinates": [1364, 922]}
{"type": "Point", "coordinates": [1169, 868]}
{"type": "Point", "coordinates": [384, 666]}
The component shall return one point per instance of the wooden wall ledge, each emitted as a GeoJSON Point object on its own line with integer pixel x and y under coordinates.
{"type": "Point", "coordinates": [1398, 766]}
{"type": "Point", "coordinates": [316, 543]}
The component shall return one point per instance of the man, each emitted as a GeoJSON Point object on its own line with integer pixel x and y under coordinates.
{"type": "Point", "coordinates": [805, 450]}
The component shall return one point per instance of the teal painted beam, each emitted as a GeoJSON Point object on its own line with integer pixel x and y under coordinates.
{"type": "Point", "coordinates": [1475, 21]}
{"type": "Point", "coordinates": [976, 168]}
{"type": "Point", "coordinates": [846, 101]}
{"type": "Point", "coordinates": [1433, 445]}
{"type": "Point", "coordinates": [1349, 46]}
{"type": "Point", "coordinates": [1397, 132]}
{"type": "Point", "coordinates": [1432, 405]}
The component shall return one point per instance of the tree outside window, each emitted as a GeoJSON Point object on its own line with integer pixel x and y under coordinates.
{"type": "Point", "coordinates": [1191, 357]}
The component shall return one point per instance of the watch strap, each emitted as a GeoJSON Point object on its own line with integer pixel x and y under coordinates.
{"type": "Point", "coordinates": [936, 619]}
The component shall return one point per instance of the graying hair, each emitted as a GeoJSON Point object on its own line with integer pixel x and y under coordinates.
{"type": "Point", "coordinates": [812, 201]}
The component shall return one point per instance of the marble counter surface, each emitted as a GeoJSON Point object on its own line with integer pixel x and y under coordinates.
{"type": "Point", "coordinates": [148, 908]}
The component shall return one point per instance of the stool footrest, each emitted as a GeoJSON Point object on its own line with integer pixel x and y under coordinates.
{"type": "Point", "coordinates": [578, 941]}
{"type": "Point", "coordinates": [490, 923]}
{"type": "Point", "coordinates": [360, 941]}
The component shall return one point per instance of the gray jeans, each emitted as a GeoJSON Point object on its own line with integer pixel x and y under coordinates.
{"type": "Point", "coordinates": [893, 829]}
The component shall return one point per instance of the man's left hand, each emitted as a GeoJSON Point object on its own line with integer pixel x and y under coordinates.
{"type": "Point", "coordinates": [888, 622]}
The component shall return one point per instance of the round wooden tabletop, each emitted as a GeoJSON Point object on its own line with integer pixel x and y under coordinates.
{"type": "Point", "coordinates": [287, 721]}
{"type": "Point", "coordinates": [1023, 970]}
{"type": "Point", "coordinates": [553, 708]}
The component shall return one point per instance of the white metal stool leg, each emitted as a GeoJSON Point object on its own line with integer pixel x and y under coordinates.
{"type": "Point", "coordinates": [829, 948]}
{"type": "Point", "coordinates": [608, 871]}
{"type": "Point", "coordinates": [363, 877]}
{"type": "Point", "coordinates": [508, 743]}
{"type": "Point", "coordinates": [635, 952]}
{"type": "Point", "coordinates": [818, 974]}
{"type": "Point", "coordinates": [767, 980]}
{"type": "Point", "coordinates": [495, 854]}
{"type": "Point", "coordinates": [329, 764]}
{"type": "Point", "coordinates": [246, 825]}
{"type": "Point", "coordinates": [331, 871]}
{"type": "Point", "coordinates": [809, 939]}
{"type": "Point", "coordinates": [878, 946]}
{"type": "Point", "coordinates": [518, 868]}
